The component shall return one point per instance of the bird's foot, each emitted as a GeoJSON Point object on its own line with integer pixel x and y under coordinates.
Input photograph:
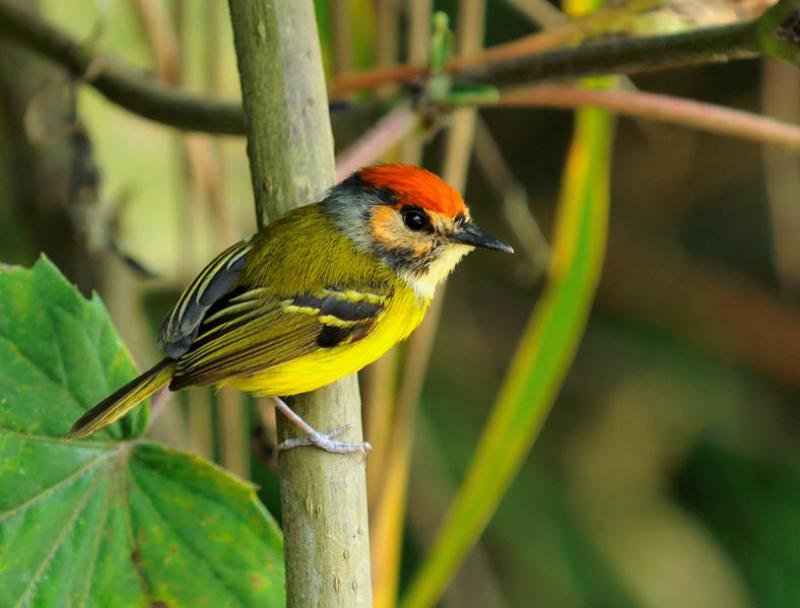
{"type": "Point", "coordinates": [327, 442]}
{"type": "Point", "coordinates": [312, 437]}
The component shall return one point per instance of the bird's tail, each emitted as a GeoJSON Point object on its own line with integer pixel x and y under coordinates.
{"type": "Point", "coordinates": [116, 405]}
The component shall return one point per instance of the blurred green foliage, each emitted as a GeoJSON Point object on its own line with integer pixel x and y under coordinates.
{"type": "Point", "coordinates": [751, 506]}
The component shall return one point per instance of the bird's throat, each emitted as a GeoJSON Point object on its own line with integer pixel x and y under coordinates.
{"type": "Point", "coordinates": [425, 281]}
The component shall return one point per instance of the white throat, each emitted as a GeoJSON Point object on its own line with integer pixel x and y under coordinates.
{"type": "Point", "coordinates": [424, 285]}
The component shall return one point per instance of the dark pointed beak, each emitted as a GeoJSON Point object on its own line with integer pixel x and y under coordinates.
{"type": "Point", "coordinates": [470, 234]}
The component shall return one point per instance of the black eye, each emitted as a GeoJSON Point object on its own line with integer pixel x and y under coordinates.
{"type": "Point", "coordinates": [414, 219]}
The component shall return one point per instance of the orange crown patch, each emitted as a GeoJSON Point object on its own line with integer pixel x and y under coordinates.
{"type": "Point", "coordinates": [416, 186]}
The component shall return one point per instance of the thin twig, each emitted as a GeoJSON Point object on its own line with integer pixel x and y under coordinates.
{"type": "Point", "coordinates": [207, 171]}
{"type": "Point", "coordinates": [432, 486]}
{"type": "Point", "coordinates": [163, 42]}
{"type": "Point", "coordinates": [156, 101]}
{"type": "Point", "coordinates": [514, 199]}
{"type": "Point", "coordinates": [663, 108]}
{"type": "Point", "coordinates": [200, 420]}
{"type": "Point", "coordinates": [780, 90]}
{"type": "Point", "coordinates": [161, 38]}
{"type": "Point", "coordinates": [627, 55]}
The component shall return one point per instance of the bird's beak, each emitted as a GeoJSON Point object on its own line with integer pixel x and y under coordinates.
{"type": "Point", "coordinates": [470, 234]}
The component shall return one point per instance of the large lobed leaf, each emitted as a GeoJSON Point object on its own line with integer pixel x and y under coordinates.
{"type": "Point", "coordinates": [111, 520]}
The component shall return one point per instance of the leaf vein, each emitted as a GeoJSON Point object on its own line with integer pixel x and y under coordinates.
{"type": "Point", "coordinates": [197, 554]}
{"type": "Point", "coordinates": [64, 380]}
{"type": "Point", "coordinates": [59, 541]}
{"type": "Point", "coordinates": [93, 443]}
{"type": "Point", "coordinates": [98, 541]}
{"type": "Point", "coordinates": [27, 504]}
{"type": "Point", "coordinates": [42, 372]}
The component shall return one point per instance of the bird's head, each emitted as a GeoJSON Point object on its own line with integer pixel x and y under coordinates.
{"type": "Point", "coordinates": [409, 219]}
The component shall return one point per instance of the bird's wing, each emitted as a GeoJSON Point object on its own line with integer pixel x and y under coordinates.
{"type": "Point", "coordinates": [216, 280]}
{"type": "Point", "coordinates": [250, 329]}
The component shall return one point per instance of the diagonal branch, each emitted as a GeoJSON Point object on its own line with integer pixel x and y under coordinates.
{"type": "Point", "coordinates": [513, 63]}
{"type": "Point", "coordinates": [121, 85]}
{"type": "Point", "coordinates": [150, 98]}
{"type": "Point", "coordinates": [501, 64]}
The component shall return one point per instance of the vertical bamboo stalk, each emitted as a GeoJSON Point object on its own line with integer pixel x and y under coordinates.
{"type": "Point", "coordinates": [419, 36]}
{"type": "Point", "coordinates": [233, 437]}
{"type": "Point", "coordinates": [290, 146]}
{"type": "Point", "coordinates": [390, 512]}
{"type": "Point", "coordinates": [378, 381]}
{"type": "Point", "coordinates": [342, 36]}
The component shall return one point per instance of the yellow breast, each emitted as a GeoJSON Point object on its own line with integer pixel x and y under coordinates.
{"type": "Point", "coordinates": [325, 365]}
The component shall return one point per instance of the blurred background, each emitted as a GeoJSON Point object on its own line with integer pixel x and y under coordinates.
{"type": "Point", "coordinates": [667, 473]}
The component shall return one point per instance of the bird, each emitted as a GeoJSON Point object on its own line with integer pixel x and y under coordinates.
{"type": "Point", "coordinates": [312, 297]}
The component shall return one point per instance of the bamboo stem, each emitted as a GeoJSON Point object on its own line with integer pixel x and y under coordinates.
{"type": "Point", "coordinates": [290, 147]}
{"type": "Point", "coordinates": [233, 438]}
{"type": "Point", "coordinates": [390, 514]}
{"type": "Point", "coordinates": [419, 35]}
{"type": "Point", "coordinates": [379, 380]}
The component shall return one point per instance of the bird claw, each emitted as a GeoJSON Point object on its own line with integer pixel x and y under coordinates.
{"type": "Point", "coordinates": [327, 442]}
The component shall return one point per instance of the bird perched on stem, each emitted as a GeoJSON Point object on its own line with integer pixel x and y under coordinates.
{"type": "Point", "coordinates": [312, 297]}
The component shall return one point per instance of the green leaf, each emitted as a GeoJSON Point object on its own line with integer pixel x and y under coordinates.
{"type": "Point", "coordinates": [751, 508]}
{"type": "Point", "coordinates": [60, 355]}
{"type": "Point", "coordinates": [441, 42]}
{"type": "Point", "coordinates": [114, 521]}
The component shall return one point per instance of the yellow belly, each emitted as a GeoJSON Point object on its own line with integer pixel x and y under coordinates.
{"type": "Point", "coordinates": [326, 365]}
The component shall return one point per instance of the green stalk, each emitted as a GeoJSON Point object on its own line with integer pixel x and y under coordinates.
{"type": "Point", "coordinates": [543, 357]}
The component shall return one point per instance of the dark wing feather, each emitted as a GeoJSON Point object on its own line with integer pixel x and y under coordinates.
{"type": "Point", "coordinates": [248, 331]}
{"type": "Point", "coordinates": [216, 280]}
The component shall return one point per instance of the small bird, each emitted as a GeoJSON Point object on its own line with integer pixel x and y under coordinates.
{"type": "Point", "coordinates": [312, 297]}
